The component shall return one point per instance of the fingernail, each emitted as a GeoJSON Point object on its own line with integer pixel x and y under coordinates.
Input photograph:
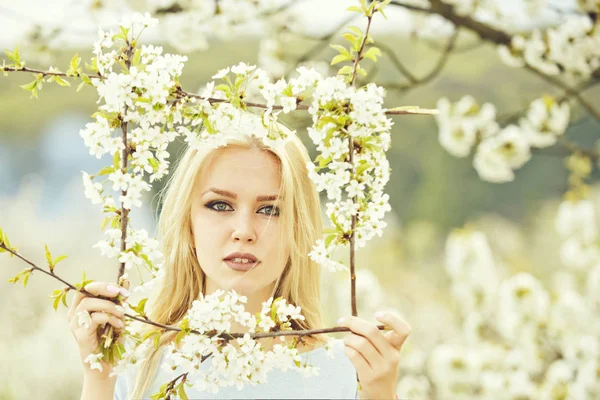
{"type": "Point", "coordinates": [125, 292]}
{"type": "Point", "coordinates": [120, 324]}
{"type": "Point", "coordinates": [379, 314]}
{"type": "Point", "coordinates": [112, 288]}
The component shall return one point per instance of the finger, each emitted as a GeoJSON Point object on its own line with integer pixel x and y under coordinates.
{"type": "Point", "coordinates": [108, 290]}
{"type": "Point", "coordinates": [76, 299]}
{"type": "Point", "coordinates": [98, 319]}
{"type": "Point", "coordinates": [365, 348]}
{"type": "Point", "coordinates": [105, 289]}
{"type": "Point", "coordinates": [363, 369]}
{"type": "Point", "coordinates": [102, 318]}
{"type": "Point", "coordinates": [369, 331]}
{"type": "Point", "coordinates": [91, 304]}
{"type": "Point", "coordinates": [400, 329]}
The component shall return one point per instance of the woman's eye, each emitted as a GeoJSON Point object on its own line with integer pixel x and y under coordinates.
{"type": "Point", "coordinates": [221, 206]}
{"type": "Point", "coordinates": [218, 206]}
{"type": "Point", "coordinates": [274, 211]}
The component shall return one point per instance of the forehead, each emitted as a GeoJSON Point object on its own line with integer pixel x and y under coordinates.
{"type": "Point", "coordinates": [241, 169]}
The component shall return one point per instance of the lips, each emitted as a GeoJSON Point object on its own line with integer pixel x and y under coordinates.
{"type": "Point", "coordinates": [248, 256]}
{"type": "Point", "coordinates": [237, 266]}
{"type": "Point", "coordinates": [241, 266]}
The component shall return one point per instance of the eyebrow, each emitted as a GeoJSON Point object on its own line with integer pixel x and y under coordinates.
{"type": "Point", "coordinates": [232, 195]}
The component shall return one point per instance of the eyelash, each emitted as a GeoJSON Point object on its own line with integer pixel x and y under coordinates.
{"type": "Point", "coordinates": [214, 203]}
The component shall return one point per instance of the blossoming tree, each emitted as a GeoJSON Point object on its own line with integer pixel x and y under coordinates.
{"type": "Point", "coordinates": [144, 108]}
{"type": "Point", "coordinates": [521, 340]}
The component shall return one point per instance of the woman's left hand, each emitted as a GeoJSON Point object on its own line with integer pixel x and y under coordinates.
{"type": "Point", "coordinates": [375, 353]}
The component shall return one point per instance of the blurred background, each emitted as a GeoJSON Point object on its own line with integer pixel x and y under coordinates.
{"type": "Point", "coordinates": [431, 191]}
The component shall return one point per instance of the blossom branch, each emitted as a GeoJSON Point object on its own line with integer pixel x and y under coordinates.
{"type": "Point", "coordinates": [393, 111]}
{"type": "Point", "coordinates": [350, 160]}
{"type": "Point", "coordinates": [182, 93]}
{"type": "Point", "coordinates": [145, 320]}
{"type": "Point", "coordinates": [497, 37]}
{"type": "Point", "coordinates": [125, 153]}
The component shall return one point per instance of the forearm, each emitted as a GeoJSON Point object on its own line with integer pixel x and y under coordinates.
{"type": "Point", "coordinates": [98, 389]}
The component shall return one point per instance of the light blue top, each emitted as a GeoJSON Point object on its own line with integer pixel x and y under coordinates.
{"type": "Point", "coordinates": [336, 380]}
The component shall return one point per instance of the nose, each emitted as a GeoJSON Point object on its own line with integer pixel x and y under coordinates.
{"type": "Point", "coordinates": [244, 230]}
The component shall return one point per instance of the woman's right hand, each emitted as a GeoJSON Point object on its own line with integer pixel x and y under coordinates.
{"type": "Point", "coordinates": [101, 312]}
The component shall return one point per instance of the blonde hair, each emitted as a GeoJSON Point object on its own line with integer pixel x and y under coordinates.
{"type": "Point", "coordinates": [184, 279]}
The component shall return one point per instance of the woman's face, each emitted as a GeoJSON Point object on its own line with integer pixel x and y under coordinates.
{"type": "Point", "coordinates": [235, 210]}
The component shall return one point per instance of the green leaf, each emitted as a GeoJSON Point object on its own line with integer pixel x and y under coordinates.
{"type": "Point", "coordinates": [48, 255]}
{"type": "Point", "coordinates": [363, 167]}
{"type": "Point", "coordinates": [373, 53]}
{"type": "Point", "coordinates": [104, 222]}
{"type": "Point", "coordinates": [341, 49]}
{"type": "Point", "coordinates": [60, 81]}
{"type": "Point", "coordinates": [85, 79]}
{"type": "Point", "coordinates": [26, 278]}
{"type": "Point", "coordinates": [59, 259]}
{"type": "Point", "coordinates": [56, 303]}
{"type": "Point", "coordinates": [182, 392]}
{"type": "Point", "coordinates": [224, 88]}
{"type": "Point", "coordinates": [137, 57]}
{"type": "Point", "coordinates": [117, 160]}
{"type": "Point", "coordinates": [124, 32]}
{"type": "Point", "coordinates": [356, 30]}
{"type": "Point", "coordinates": [340, 58]}
{"type": "Point", "coordinates": [15, 57]}
{"type": "Point", "coordinates": [107, 170]}
{"type": "Point", "coordinates": [93, 65]}
{"type": "Point", "coordinates": [351, 38]}
{"type": "Point", "coordinates": [30, 86]}
{"type": "Point", "coordinates": [153, 163]}
{"type": "Point", "coordinates": [140, 307]}
{"type": "Point", "coordinates": [180, 336]}
{"type": "Point", "coordinates": [354, 8]}
{"type": "Point", "coordinates": [329, 239]}
{"type": "Point", "coordinates": [346, 70]}
{"type": "Point", "coordinates": [274, 309]}
{"type": "Point", "coordinates": [371, 8]}
{"type": "Point", "coordinates": [74, 69]}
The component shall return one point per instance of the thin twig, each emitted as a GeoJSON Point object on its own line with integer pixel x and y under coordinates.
{"type": "Point", "coordinates": [323, 42]}
{"type": "Point", "coordinates": [44, 73]}
{"type": "Point", "coordinates": [437, 69]}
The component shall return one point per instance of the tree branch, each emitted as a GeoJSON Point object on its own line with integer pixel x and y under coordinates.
{"type": "Point", "coordinates": [498, 37]}
{"type": "Point", "coordinates": [145, 320]}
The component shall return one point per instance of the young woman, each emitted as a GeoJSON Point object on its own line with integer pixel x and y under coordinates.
{"type": "Point", "coordinates": [224, 207]}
